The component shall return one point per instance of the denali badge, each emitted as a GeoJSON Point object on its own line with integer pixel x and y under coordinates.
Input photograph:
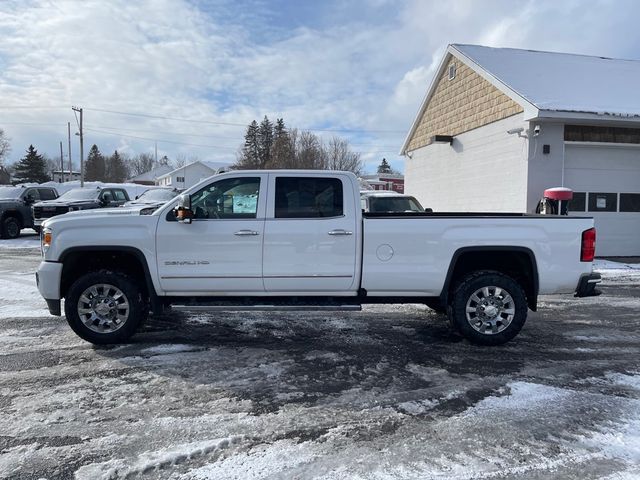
{"type": "Point", "coordinates": [186, 262]}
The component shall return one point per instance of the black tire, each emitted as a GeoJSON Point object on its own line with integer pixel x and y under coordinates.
{"type": "Point", "coordinates": [497, 317]}
{"type": "Point", "coordinates": [11, 227]}
{"type": "Point", "coordinates": [129, 318]}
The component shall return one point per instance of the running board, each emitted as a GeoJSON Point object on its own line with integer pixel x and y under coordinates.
{"type": "Point", "coordinates": [267, 308]}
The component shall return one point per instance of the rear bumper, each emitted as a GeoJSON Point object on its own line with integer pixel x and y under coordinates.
{"type": "Point", "coordinates": [587, 285]}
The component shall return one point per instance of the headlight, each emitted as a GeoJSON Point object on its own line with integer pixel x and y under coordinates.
{"type": "Point", "coordinates": [45, 240]}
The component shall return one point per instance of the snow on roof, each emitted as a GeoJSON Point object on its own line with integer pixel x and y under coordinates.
{"type": "Point", "coordinates": [152, 174]}
{"type": "Point", "coordinates": [562, 81]}
{"type": "Point", "coordinates": [214, 166]}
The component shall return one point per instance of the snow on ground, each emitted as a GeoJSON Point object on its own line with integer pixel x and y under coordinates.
{"type": "Point", "coordinates": [27, 239]}
{"type": "Point", "coordinates": [386, 393]}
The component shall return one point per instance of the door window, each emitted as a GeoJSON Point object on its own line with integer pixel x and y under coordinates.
{"type": "Point", "coordinates": [308, 197]}
{"type": "Point", "coordinates": [33, 193]}
{"type": "Point", "coordinates": [119, 196]}
{"type": "Point", "coordinates": [230, 198]}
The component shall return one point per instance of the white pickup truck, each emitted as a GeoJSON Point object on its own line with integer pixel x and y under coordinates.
{"type": "Point", "coordinates": [299, 240]}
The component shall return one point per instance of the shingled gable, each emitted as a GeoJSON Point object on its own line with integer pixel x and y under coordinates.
{"type": "Point", "coordinates": [472, 99]}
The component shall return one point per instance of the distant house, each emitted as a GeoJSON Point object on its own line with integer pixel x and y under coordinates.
{"type": "Point", "coordinates": [150, 177]}
{"type": "Point", "coordinates": [385, 181]}
{"type": "Point", "coordinates": [58, 176]}
{"type": "Point", "coordinates": [189, 175]}
{"type": "Point", "coordinates": [498, 126]}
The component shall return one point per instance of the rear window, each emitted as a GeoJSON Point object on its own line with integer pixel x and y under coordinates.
{"type": "Point", "coordinates": [308, 197]}
{"type": "Point", "coordinates": [46, 194]}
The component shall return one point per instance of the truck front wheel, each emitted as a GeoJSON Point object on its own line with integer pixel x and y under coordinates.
{"type": "Point", "coordinates": [488, 308]}
{"type": "Point", "coordinates": [104, 307]}
{"type": "Point", "coordinates": [11, 227]}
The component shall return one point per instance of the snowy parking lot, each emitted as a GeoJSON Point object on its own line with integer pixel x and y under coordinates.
{"type": "Point", "coordinates": [384, 393]}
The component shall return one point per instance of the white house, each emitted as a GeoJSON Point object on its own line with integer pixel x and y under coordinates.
{"type": "Point", "coordinates": [58, 176]}
{"type": "Point", "coordinates": [189, 175]}
{"type": "Point", "coordinates": [498, 126]}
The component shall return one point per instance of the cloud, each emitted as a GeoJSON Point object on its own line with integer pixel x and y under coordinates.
{"type": "Point", "coordinates": [364, 65]}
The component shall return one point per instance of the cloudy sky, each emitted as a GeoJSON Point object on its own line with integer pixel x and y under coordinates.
{"type": "Point", "coordinates": [192, 74]}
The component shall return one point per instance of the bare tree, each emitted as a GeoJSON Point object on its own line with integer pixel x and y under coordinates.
{"type": "Point", "coordinates": [180, 161]}
{"type": "Point", "coordinates": [141, 163]}
{"type": "Point", "coordinates": [5, 147]}
{"type": "Point", "coordinates": [338, 156]}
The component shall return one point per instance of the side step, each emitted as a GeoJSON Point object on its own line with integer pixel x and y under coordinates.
{"type": "Point", "coordinates": [266, 308]}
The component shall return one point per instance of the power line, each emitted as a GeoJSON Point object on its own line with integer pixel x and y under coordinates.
{"type": "Point", "coordinates": [230, 124]}
{"type": "Point", "coordinates": [158, 140]}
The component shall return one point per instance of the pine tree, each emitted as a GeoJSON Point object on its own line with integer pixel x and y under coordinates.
{"type": "Point", "coordinates": [265, 141]}
{"type": "Point", "coordinates": [248, 157]}
{"type": "Point", "coordinates": [282, 149]}
{"type": "Point", "coordinates": [384, 167]}
{"type": "Point", "coordinates": [95, 168]}
{"type": "Point", "coordinates": [32, 168]}
{"type": "Point", "coordinates": [116, 168]}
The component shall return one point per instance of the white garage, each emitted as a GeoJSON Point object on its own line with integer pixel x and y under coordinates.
{"type": "Point", "coordinates": [498, 126]}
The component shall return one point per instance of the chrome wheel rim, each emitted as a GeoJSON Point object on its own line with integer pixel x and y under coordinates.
{"type": "Point", "coordinates": [103, 308]}
{"type": "Point", "coordinates": [490, 310]}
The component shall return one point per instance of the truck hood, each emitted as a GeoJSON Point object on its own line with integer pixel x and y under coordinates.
{"type": "Point", "coordinates": [58, 203]}
{"type": "Point", "coordinates": [84, 215]}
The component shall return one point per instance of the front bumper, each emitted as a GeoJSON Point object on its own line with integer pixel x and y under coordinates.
{"type": "Point", "coordinates": [587, 285]}
{"type": "Point", "coordinates": [48, 279]}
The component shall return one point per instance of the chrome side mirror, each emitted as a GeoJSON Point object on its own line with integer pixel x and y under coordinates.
{"type": "Point", "coordinates": [183, 211]}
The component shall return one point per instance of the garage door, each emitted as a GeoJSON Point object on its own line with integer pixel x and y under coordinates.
{"type": "Point", "coordinates": [607, 181]}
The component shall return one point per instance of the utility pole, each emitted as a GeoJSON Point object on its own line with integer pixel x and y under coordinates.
{"type": "Point", "coordinates": [76, 109]}
{"type": "Point", "coordinates": [156, 154]}
{"type": "Point", "coordinates": [69, 150]}
{"type": "Point", "coordinates": [61, 164]}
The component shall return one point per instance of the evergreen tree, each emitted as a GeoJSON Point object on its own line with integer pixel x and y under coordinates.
{"type": "Point", "coordinates": [116, 168]}
{"type": "Point", "coordinates": [95, 168]}
{"type": "Point", "coordinates": [32, 168]}
{"type": "Point", "coordinates": [282, 148]}
{"type": "Point", "coordinates": [384, 167]}
{"type": "Point", "coordinates": [248, 157]}
{"type": "Point", "coordinates": [265, 141]}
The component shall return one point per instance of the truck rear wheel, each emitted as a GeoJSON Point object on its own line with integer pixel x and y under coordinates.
{"type": "Point", "coordinates": [488, 308]}
{"type": "Point", "coordinates": [104, 307]}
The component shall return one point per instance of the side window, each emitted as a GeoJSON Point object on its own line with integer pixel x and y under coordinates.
{"type": "Point", "coordinates": [578, 203]}
{"type": "Point", "coordinates": [630, 202]}
{"type": "Point", "coordinates": [33, 192]}
{"type": "Point", "coordinates": [106, 195]}
{"type": "Point", "coordinates": [308, 197]}
{"type": "Point", "coordinates": [119, 195]}
{"type": "Point", "coordinates": [46, 194]}
{"type": "Point", "coordinates": [228, 198]}
{"type": "Point", "coordinates": [603, 202]}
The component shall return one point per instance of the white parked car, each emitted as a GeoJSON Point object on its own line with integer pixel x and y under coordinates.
{"type": "Point", "coordinates": [288, 239]}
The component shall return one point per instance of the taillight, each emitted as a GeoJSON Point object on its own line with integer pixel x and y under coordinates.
{"type": "Point", "coordinates": [588, 250]}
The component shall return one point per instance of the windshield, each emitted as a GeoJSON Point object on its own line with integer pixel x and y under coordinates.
{"type": "Point", "coordinates": [394, 204]}
{"type": "Point", "coordinates": [157, 194]}
{"type": "Point", "coordinates": [10, 192]}
{"type": "Point", "coordinates": [80, 194]}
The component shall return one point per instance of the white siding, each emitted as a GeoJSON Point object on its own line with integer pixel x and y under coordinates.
{"type": "Point", "coordinates": [545, 170]}
{"type": "Point", "coordinates": [192, 174]}
{"type": "Point", "coordinates": [484, 170]}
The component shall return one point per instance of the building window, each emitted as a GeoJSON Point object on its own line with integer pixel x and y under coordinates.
{"type": "Point", "coordinates": [603, 202]}
{"type": "Point", "coordinates": [630, 202]}
{"type": "Point", "coordinates": [452, 71]}
{"type": "Point", "coordinates": [180, 179]}
{"type": "Point", "coordinates": [578, 203]}
{"type": "Point", "coordinates": [588, 133]}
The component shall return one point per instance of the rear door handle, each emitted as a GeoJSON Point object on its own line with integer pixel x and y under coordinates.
{"type": "Point", "coordinates": [340, 232]}
{"type": "Point", "coordinates": [246, 233]}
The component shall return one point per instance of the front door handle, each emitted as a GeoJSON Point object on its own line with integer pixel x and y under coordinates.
{"type": "Point", "coordinates": [246, 233]}
{"type": "Point", "coordinates": [340, 232]}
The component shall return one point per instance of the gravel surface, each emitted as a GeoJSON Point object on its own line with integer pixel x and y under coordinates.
{"type": "Point", "coordinates": [384, 393]}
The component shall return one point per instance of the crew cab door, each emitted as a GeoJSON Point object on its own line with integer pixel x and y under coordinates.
{"type": "Point", "coordinates": [310, 234]}
{"type": "Point", "coordinates": [221, 250]}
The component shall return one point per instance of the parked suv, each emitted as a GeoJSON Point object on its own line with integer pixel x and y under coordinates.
{"type": "Point", "coordinates": [79, 199]}
{"type": "Point", "coordinates": [15, 208]}
{"type": "Point", "coordinates": [153, 198]}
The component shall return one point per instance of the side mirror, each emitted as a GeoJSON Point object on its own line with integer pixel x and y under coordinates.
{"type": "Point", "coordinates": [428, 210]}
{"type": "Point", "coordinates": [183, 211]}
{"type": "Point", "coordinates": [137, 196]}
{"type": "Point", "coordinates": [28, 200]}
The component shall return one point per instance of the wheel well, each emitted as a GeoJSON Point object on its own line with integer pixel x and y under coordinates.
{"type": "Point", "coordinates": [15, 214]}
{"type": "Point", "coordinates": [76, 264]}
{"type": "Point", "coordinates": [518, 263]}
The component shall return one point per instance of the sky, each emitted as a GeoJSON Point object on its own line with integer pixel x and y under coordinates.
{"type": "Point", "coordinates": [188, 76]}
